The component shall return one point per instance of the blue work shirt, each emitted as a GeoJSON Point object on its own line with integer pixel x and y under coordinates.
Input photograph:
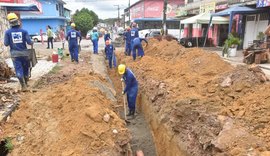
{"type": "Point", "coordinates": [109, 50]}
{"type": "Point", "coordinates": [72, 37]}
{"type": "Point", "coordinates": [127, 36]}
{"type": "Point", "coordinates": [134, 32]}
{"type": "Point", "coordinates": [17, 38]}
{"type": "Point", "coordinates": [107, 36]}
{"type": "Point", "coordinates": [137, 41]}
{"type": "Point", "coordinates": [130, 80]}
{"type": "Point", "coordinates": [95, 36]}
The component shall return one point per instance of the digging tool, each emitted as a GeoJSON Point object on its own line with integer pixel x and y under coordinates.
{"type": "Point", "coordinates": [124, 99]}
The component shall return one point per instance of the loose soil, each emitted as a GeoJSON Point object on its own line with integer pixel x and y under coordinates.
{"type": "Point", "coordinates": [208, 106]}
{"type": "Point", "coordinates": [66, 116]}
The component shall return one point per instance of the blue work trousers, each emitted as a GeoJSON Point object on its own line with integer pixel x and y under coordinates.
{"type": "Point", "coordinates": [138, 48]}
{"type": "Point", "coordinates": [112, 61]}
{"type": "Point", "coordinates": [131, 97]}
{"type": "Point", "coordinates": [21, 65]}
{"type": "Point", "coordinates": [95, 46]}
{"type": "Point", "coordinates": [74, 50]}
{"type": "Point", "coordinates": [128, 48]}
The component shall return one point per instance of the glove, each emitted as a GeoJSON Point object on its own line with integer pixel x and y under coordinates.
{"type": "Point", "coordinates": [122, 79]}
{"type": "Point", "coordinates": [123, 93]}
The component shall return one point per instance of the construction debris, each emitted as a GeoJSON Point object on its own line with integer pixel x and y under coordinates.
{"type": "Point", "coordinates": [5, 71]}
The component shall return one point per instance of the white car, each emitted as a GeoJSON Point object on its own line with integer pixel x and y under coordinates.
{"type": "Point", "coordinates": [37, 38]}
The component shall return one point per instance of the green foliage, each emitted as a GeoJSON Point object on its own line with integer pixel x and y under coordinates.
{"type": "Point", "coordinates": [85, 20]}
{"type": "Point", "coordinates": [9, 146]}
{"type": "Point", "coordinates": [231, 42]}
{"type": "Point", "coordinates": [260, 36]}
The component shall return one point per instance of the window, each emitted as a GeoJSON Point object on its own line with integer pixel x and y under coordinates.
{"type": "Point", "coordinates": [57, 7]}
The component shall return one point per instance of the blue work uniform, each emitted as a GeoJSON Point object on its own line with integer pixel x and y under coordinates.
{"type": "Point", "coordinates": [17, 38]}
{"type": "Point", "coordinates": [95, 38]}
{"type": "Point", "coordinates": [131, 88]}
{"type": "Point", "coordinates": [109, 50]}
{"type": "Point", "coordinates": [72, 38]}
{"type": "Point", "coordinates": [127, 37]}
{"type": "Point", "coordinates": [107, 37]}
{"type": "Point", "coordinates": [137, 45]}
{"type": "Point", "coordinates": [134, 33]}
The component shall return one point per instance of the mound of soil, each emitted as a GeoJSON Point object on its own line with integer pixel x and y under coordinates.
{"type": "Point", "coordinates": [71, 118]}
{"type": "Point", "coordinates": [197, 96]}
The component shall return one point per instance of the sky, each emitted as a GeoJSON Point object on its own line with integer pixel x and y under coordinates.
{"type": "Point", "coordinates": [103, 8]}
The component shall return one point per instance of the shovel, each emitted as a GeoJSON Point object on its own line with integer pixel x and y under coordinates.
{"type": "Point", "coordinates": [124, 99]}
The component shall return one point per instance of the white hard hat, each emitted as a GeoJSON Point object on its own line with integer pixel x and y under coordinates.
{"type": "Point", "coordinates": [95, 28]}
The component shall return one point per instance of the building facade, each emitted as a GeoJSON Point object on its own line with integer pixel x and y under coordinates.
{"type": "Point", "coordinates": [53, 14]}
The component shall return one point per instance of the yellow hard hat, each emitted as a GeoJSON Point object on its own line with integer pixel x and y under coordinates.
{"type": "Point", "coordinates": [121, 69]}
{"type": "Point", "coordinates": [12, 16]}
{"type": "Point", "coordinates": [73, 25]}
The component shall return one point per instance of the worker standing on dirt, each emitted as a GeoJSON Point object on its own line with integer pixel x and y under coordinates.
{"type": "Point", "coordinates": [94, 39]}
{"type": "Point", "coordinates": [137, 46]}
{"type": "Point", "coordinates": [107, 36]}
{"type": "Point", "coordinates": [131, 87]}
{"type": "Point", "coordinates": [109, 50]}
{"type": "Point", "coordinates": [134, 33]}
{"type": "Point", "coordinates": [127, 36]}
{"type": "Point", "coordinates": [16, 38]}
{"type": "Point", "coordinates": [72, 38]}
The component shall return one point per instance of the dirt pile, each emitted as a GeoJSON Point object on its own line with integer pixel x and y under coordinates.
{"type": "Point", "coordinates": [196, 96]}
{"type": "Point", "coordinates": [5, 71]}
{"type": "Point", "coordinates": [70, 118]}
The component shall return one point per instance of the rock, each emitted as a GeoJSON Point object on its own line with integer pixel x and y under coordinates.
{"type": "Point", "coordinates": [226, 82]}
{"type": "Point", "coordinates": [106, 117]}
{"type": "Point", "coordinates": [211, 90]}
{"type": "Point", "coordinates": [115, 131]}
{"type": "Point", "coordinates": [161, 85]}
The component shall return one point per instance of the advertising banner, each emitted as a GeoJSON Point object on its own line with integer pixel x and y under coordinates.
{"type": "Point", "coordinates": [263, 3]}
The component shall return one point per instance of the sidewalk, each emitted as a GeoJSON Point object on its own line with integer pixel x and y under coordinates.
{"type": "Point", "coordinates": [238, 59]}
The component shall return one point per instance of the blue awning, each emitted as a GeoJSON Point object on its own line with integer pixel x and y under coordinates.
{"type": "Point", "coordinates": [19, 7]}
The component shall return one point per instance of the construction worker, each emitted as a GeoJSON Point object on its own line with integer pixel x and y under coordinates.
{"type": "Point", "coordinates": [131, 88]}
{"type": "Point", "coordinates": [107, 36]}
{"type": "Point", "coordinates": [127, 39]}
{"type": "Point", "coordinates": [137, 46]}
{"type": "Point", "coordinates": [109, 50]}
{"type": "Point", "coordinates": [94, 39]}
{"type": "Point", "coordinates": [17, 38]}
{"type": "Point", "coordinates": [134, 33]}
{"type": "Point", "coordinates": [72, 38]}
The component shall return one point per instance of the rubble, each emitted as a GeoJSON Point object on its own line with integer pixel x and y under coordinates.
{"type": "Point", "coordinates": [5, 71]}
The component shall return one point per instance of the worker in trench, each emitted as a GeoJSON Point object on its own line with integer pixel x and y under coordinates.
{"type": "Point", "coordinates": [72, 38]}
{"type": "Point", "coordinates": [137, 46]}
{"type": "Point", "coordinates": [127, 36]}
{"type": "Point", "coordinates": [131, 88]}
{"type": "Point", "coordinates": [110, 55]}
{"type": "Point", "coordinates": [17, 38]}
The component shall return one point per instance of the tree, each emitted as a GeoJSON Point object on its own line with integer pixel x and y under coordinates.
{"type": "Point", "coordinates": [85, 20]}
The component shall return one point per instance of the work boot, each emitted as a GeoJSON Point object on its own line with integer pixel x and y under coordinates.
{"type": "Point", "coordinates": [132, 115]}
{"type": "Point", "coordinates": [23, 85]}
{"type": "Point", "coordinates": [129, 113]}
{"type": "Point", "coordinates": [26, 79]}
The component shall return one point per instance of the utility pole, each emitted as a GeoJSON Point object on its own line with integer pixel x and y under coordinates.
{"type": "Point", "coordinates": [118, 8]}
{"type": "Point", "coordinates": [165, 32]}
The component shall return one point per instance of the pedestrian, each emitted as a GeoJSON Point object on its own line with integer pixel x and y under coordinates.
{"type": "Point", "coordinates": [95, 38]}
{"type": "Point", "coordinates": [110, 55]}
{"type": "Point", "coordinates": [131, 88]}
{"type": "Point", "coordinates": [127, 38]}
{"type": "Point", "coordinates": [50, 37]}
{"type": "Point", "coordinates": [72, 38]}
{"type": "Point", "coordinates": [134, 33]}
{"type": "Point", "coordinates": [107, 36]}
{"type": "Point", "coordinates": [17, 38]}
{"type": "Point", "coordinates": [137, 46]}
{"type": "Point", "coordinates": [62, 37]}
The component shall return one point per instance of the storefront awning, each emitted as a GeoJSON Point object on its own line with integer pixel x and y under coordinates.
{"type": "Point", "coordinates": [19, 7]}
{"type": "Point", "coordinates": [204, 18]}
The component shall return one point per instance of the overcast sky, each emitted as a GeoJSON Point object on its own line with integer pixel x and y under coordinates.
{"type": "Point", "coordinates": [103, 8]}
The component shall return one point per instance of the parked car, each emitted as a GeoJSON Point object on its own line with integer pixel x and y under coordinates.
{"type": "Point", "coordinates": [153, 34]}
{"type": "Point", "coordinates": [192, 42]}
{"type": "Point", "coordinates": [37, 38]}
